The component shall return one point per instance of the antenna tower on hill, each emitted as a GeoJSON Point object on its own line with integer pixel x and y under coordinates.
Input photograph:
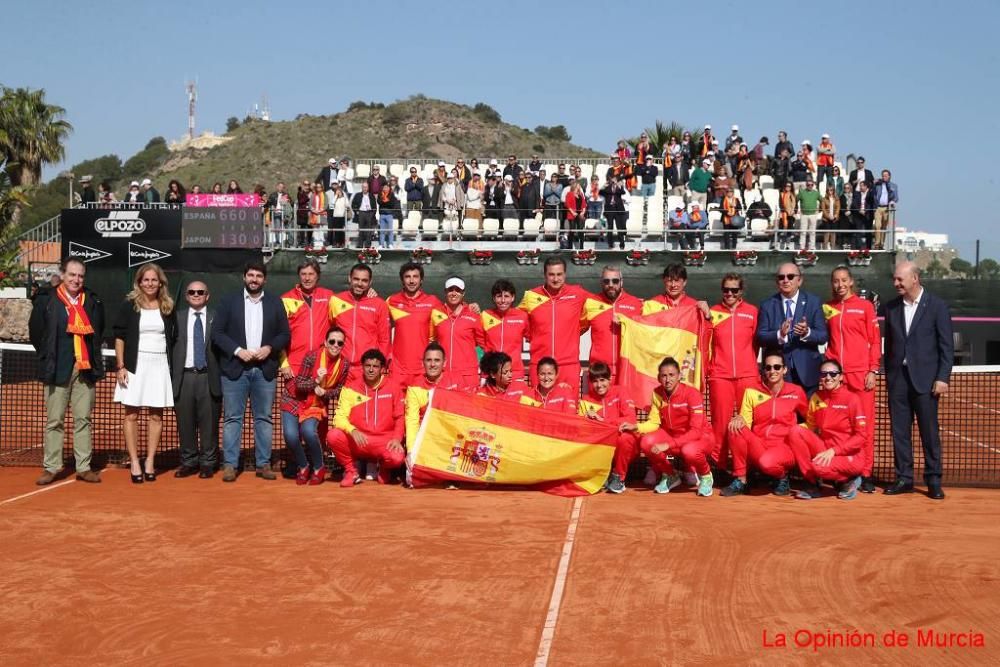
{"type": "Point", "coordinates": [192, 93]}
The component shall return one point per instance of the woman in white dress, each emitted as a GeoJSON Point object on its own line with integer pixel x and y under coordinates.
{"type": "Point", "coordinates": [145, 330]}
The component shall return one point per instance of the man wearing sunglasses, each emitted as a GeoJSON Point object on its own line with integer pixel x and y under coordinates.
{"type": "Point", "coordinates": [792, 321]}
{"type": "Point", "coordinates": [602, 311]}
{"type": "Point", "coordinates": [197, 386]}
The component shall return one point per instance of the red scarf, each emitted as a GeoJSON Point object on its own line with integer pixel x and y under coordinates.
{"type": "Point", "coordinates": [78, 326]}
{"type": "Point", "coordinates": [314, 407]}
{"type": "Point", "coordinates": [695, 216]}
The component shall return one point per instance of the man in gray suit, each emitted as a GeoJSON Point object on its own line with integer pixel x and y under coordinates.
{"type": "Point", "coordinates": [197, 387]}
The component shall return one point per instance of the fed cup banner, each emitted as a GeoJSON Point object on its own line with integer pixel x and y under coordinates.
{"type": "Point", "coordinates": [234, 200]}
{"type": "Point", "coordinates": [492, 442]}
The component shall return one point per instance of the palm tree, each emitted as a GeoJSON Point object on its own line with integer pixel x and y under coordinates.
{"type": "Point", "coordinates": [659, 135]}
{"type": "Point", "coordinates": [32, 133]}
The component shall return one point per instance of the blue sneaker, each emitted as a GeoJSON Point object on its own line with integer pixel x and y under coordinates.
{"type": "Point", "coordinates": [666, 483]}
{"type": "Point", "coordinates": [705, 483]}
{"type": "Point", "coordinates": [615, 484]}
{"type": "Point", "coordinates": [782, 487]}
{"type": "Point", "coordinates": [849, 489]}
{"type": "Point", "coordinates": [736, 487]}
{"type": "Point", "coordinates": [808, 492]}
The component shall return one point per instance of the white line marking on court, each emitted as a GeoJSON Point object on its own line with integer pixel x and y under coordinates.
{"type": "Point", "coordinates": [977, 405]}
{"type": "Point", "coordinates": [42, 490]}
{"type": "Point", "coordinates": [549, 629]}
{"type": "Point", "coordinates": [974, 442]}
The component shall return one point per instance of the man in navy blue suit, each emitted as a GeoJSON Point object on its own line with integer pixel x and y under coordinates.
{"type": "Point", "coordinates": [792, 321]}
{"type": "Point", "coordinates": [250, 331]}
{"type": "Point", "coordinates": [919, 353]}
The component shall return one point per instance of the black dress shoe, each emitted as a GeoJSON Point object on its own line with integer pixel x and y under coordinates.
{"type": "Point", "coordinates": [935, 492]}
{"type": "Point", "coordinates": [867, 485]}
{"type": "Point", "coordinates": [206, 473]}
{"type": "Point", "coordinates": [185, 471]}
{"type": "Point", "coordinates": [899, 487]}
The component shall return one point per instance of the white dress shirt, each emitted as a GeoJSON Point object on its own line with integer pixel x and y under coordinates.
{"type": "Point", "coordinates": [189, 354]}
{"type": "Point", "coordinates": [910, 309]}
{"type": "Point", "coordinates": [253, 316]}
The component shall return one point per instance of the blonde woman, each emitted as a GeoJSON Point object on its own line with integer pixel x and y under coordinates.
{"type": "Point", "coordinates": [830, 207]}
{"type": "Point", "coordinates": [145, 329]}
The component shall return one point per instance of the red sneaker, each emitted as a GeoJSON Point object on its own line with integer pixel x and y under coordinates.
{"type": "Point", "coordinates": [350, 478]}
{"type": "Point", "coordinates": [302, 477]}
{"type": "Point", "coordinates": [318, 477]}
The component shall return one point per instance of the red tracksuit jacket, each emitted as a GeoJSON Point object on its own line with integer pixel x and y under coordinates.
{"type": "Point", "coordinates": [615, 407]}
{"type": "Point", "coordinates": [517, 391]}
{"type": "Point", "coordinates": [681, 415]}
{"type": "Point", "coordinates": [459, 334]}
{"type": "Point", "coordinates": [855, 340]}
{"type": "Point", "coordinates": [605, 333]}
{"type": "Point", "coordinates": [733, 354]}
{"type": "Point", "coordinates": [411, 318]}
{"type": "Point", "coordinates": [773, 415]}
{"type": "Point", "coordinates": [838, 419]}
{"type": "Point", "coordinates": [307, 323]}
{"type": "Point", "coordinates": [506, 333]}
{"type": "Point", "coordinates": [561, 398]}
{"type": "Point", "coordinates": [556, 322]}
{"type": "Point", "coordinates": [375, 410]}
{"type": "Point", "coordinates": [365, 322]}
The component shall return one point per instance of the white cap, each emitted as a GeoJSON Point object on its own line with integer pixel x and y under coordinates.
{"type": "Point", "coordinates": [493, 161]}
{"type": "Point", "coordinates": [806, 141]}
{"type": "Point", "coordinates": [441, 163]}
{"type": "Point", "coordinates": [695, 204]}
{"type": "Point", "coordinates": [146, 181]}
{"type": "Point", "coordinates": [708, 127]}
{"type": "Point", "coordinates": [715, 141]}
{"type": "Point", "coordinates": [455, 282]}
{"type": "Point", "coordinates": [825, 136]}
{"type": "Point", "coordinates": [134, 184]}
{"type": "Point", "coordinates": [508, 177]}
{"type": "Point", "coordinates": [735, 128]}
{"type": "Point", "coordinates": [332, 160]}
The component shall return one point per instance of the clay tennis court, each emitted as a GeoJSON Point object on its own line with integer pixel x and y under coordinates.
{"type": "Point", "coordinates": [195, 572]}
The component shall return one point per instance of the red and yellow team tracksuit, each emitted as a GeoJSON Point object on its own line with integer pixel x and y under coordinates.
{"type": "Point", "coordinates": [677, 420]}
{"type": "Point", "coordinates": [365, 322]}
{"type": "Point", "coordinates": [459, 331]}
{"type": "Point", "coordinates": [615, 407]}
{"type": "Point", "coordinates": [308, 322]}
{"type": "Point", "coordinates": [412, 330]}
{"type": "Point", "coordinates": [856, 344]}
{"type": "Point", "coordinates": [664, 300]}
{"type": "Point", "coordinates": [417, 396]}
{"type": "Point", "coordinates": [769, 418]}
{"type": "Point", "coordinates": [556, 322]}
{"type": "Point", "coordinates": [561, 398]}
{"type": "Point", "coordinates": [605, 332]}
{"type": "Point", "coordinates": [505, 332]}
{"type": "Point", "coordinates": [517, 391]}
{"type": "Point", "coordinates": [378, 413]}
{"type": "Point", "coordinates": [732, 368]}
{"type": "Point", "coordinates": [835, 419]}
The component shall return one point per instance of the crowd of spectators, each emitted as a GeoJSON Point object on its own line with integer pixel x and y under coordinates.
{"type": "Point", "coordinates": [705, 186]}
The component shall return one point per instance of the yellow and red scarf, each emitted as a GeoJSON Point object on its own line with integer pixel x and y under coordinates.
{"type": "Point", "coordinates": [78, 326]}
{"type": "Point", "coordinates": [314, 407]}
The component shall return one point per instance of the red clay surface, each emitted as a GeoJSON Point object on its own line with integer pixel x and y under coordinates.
{"type": "Point", "coordinates": [196, 572]}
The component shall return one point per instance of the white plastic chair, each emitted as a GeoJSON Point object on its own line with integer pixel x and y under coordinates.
{"type": "Point", "coordinates": [550, 227]}
{"type": "Point", "coordinates": [766, 182]}
{"type": "Point", "coordinates": [470, 228]}
{"type": "Point", "coordinates": [362, 170]}
{"type": "Point", "coordinates": [654, 219]}
{"type": "Point", "coordinates": [431, 227]}
{"type": "Point", "coordinates": [511, 226]}
{"type": "Point", "coordinates": [491, 227]}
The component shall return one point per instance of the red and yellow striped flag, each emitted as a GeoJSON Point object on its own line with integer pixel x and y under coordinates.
{"type": "Point", "coordinates": [491, 442]}
{"type": "Point", "coordinates": [648, 339]}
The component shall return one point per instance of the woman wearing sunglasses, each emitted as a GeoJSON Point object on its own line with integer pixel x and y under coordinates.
{"type": "Point", "coordinates": [830, 447]}
{"type": "Point", "coordinates": [759, 433]}
{"type": "Point", "coordinates": [320, 377]}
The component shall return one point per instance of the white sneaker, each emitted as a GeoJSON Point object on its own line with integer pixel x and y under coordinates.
{"type": "Point", "coordinates": [691, 479]}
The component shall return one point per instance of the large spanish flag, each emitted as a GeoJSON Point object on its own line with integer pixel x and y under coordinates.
{"type": "Point", "coordinates": [648, 339]}
{"type": "Point", "coordinates": [490, 442]}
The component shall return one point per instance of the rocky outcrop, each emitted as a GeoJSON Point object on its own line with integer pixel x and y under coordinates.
{"type": "Point", "coordinates": [14, 314]}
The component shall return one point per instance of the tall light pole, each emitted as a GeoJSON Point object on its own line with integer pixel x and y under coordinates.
{"type": "Point", "coordinates": [69, 176]}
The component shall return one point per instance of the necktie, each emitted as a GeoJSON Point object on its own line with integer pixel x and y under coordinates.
{"type": "Point", "coordinates": [788, 309]}
{"type": "Point", "coordinates": [199, 343]}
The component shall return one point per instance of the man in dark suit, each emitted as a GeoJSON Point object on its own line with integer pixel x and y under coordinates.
{"type": "Point", "coordinates": [328, 174]}
{"type": "Point", "coordinates": [250, 331]}
{"type": "Point", "coordinates": [919, 352]}
{"type": "Point", "coordinates": [861, 175]}
{"type": "Point", "coordinates": [197, 385]}
{"type": "Point", "coordinates": [792, 321]}
{"type": "Point", "coordinates": [677, 177]}
{"type": "Point", "coordinates": [862, 216]}
{"type": "Point", "coordinates": [363, 204]}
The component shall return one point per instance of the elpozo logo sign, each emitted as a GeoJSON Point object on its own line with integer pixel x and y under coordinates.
{"type": "Point", "coordinates": [120, 224]}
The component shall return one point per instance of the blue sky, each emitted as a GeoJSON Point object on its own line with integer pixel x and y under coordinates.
{"type": "Point", "coordinates": [910, 85]}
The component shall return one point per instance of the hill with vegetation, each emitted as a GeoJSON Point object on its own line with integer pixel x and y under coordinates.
{"type": "Point", "coordinates": [257, 151]}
